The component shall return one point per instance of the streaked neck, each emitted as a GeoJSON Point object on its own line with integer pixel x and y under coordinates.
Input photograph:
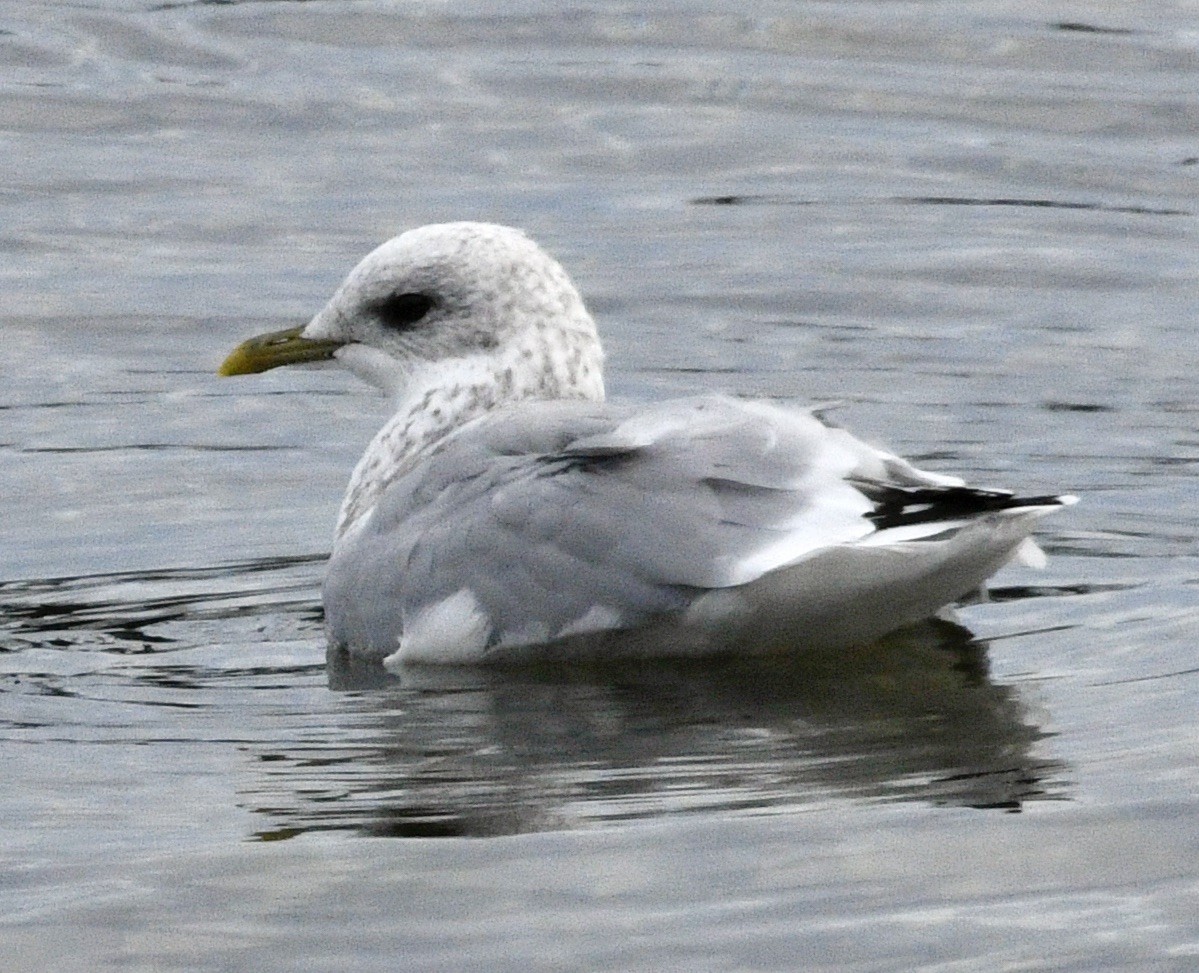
{"type": "Point", "coordinates": [439, 398]}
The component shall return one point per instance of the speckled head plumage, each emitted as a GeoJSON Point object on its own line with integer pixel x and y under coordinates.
{"type": "Point", "coordinates": [460, 292]}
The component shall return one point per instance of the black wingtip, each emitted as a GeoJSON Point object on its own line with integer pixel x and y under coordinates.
{"type": "Point", "coordinates": [903, 506]}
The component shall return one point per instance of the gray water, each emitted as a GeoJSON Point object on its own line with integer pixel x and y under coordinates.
{"type": "Point", "coordinates": [971, 224]}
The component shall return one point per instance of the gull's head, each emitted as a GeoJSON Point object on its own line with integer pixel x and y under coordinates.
{"type": "Point", "coordinates": [452, 298]}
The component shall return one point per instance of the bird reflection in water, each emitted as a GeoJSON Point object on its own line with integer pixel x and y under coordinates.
{"type": "Point", "coordinates": [453, 752]}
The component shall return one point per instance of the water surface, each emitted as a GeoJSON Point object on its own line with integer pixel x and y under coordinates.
{"type": "Point", "coordinates": [971, 225]}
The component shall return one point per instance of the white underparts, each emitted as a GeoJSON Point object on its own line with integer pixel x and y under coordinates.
{"type": "Point", "coordinates": [1030, 555]}
{"type": "Point", "coordinates": [455, 630]}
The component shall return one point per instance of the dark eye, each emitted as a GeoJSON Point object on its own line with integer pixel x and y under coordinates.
{"type": "Point", "coordinates": [403, 310]}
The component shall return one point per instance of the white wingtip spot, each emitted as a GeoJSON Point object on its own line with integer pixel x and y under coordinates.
{"type": "Point", "coordinates": [454, 630]}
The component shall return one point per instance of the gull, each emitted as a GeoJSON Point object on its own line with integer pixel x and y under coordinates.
{"type": "Point", "coordinates": [507, 512]}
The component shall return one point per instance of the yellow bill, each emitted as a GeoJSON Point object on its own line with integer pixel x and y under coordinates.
{"type": "Point", "coordinates": [266, 351]}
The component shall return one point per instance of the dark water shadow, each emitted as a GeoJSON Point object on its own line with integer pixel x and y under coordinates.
{"type": "Point", "coordinates": [1017, 202]}
{"type": "Point", "coordinates": [455, 752]}
{"type": "Point", "coordinates": [129, 612]}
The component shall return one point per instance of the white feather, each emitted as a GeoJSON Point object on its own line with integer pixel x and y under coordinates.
{"type": "Point", "coordinates": [454, 630]}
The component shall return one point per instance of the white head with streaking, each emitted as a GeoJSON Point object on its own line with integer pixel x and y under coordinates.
{"type": "Point", "coordinates": [450, 321]}
{"type": "Point", "coordinates": [506, 508]}
{"type": "Point", "coordinates": [457, 296]}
